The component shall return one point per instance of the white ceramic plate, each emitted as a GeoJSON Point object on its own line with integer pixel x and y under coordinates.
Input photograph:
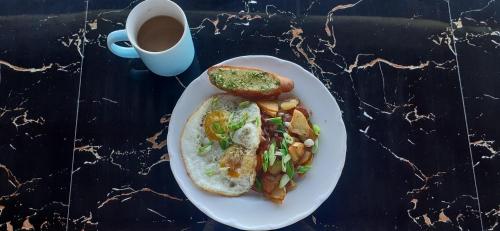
{"type": "Point", "coordinates": [251, 211]}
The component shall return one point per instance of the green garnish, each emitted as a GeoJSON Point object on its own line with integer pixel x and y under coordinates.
{"type": "Point", "coordinates": [316, 129]}
{"type": "Point", "coordinates": [290, 171]}
{"type": "Point", "coordinates": [217, 128]}
{"type": "Point", "coordinates": [288, 139]}
{"type": "Point", "coordinates": [271, 153]}
{"type": "Point", "coordinates": [222, 133]}
{"type": "Point", "coordinates": [257, 122]}
{"type": "Point", "coordinates": [284, 180]}
{"type": "Point", "coordinates": [276, 120]}
{"type": "Point", "coordinates": [284, 161]}
{"type": "Point", "coordinates": [225, 143]}
{"type": "Point", "coordinates": [210, 171]}
{"type": "Point", "coordinates": [221, 136]}
{"type": "Point", "coordinates": [244, 104]}
{"type": "Point", "coordinates": [258, 184]}
{"type": "Point", "coordinates": [205, 148]}
{"type": "Point", "coordinates": [279, 122]}
{"type": "Point", "coordinates": [286, 164]}
{"type": "Point", "coordinates": [315, 146]}
{"type": "Point", "coordinates": [214, 102]}
{"type": "Point", "coordinates": [235, 125]}
{"type": "Point", "coordinates": [303, 169]}
{"type": "Point", "coordinates": [281, 129]}
{"type": "Point", "coordinates": [265, 161]}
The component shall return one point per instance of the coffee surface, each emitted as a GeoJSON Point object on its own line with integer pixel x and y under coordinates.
{"type": "Point", "coordinates": [159, 33]}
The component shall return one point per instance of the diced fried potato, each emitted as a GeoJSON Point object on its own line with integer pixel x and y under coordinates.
{"type": "Point", "coordinates": [268, 105]}
{"type": "Point", "coordinates": [275, 168]}
{"type": "Point", "coordinates": [270, 182]}
{"type": "Point", "coordinates": [291, 186]}
{"type": "Point", "coordinates": [270, 113]}
{"type": "Point", "coordinates": [305, 158]}
{"type": "Point", "coordinates": [300, 126]}
{"type": "Point", "coordinates": [289, 104]}
{"type": "Point", "coordinates": [296, 151]}
{"type": "Point", "coordinates": [277, 195]}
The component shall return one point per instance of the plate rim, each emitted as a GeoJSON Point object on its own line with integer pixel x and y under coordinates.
{"type": "Point", "coordinates": [296, 217]}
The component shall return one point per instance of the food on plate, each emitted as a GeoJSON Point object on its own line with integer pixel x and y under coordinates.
{"type": "Point", "coordinates": [219, 145]}
{"type": "Point", "coordinates": [269, 108]}
{"type": "Point", "coordinates": [232, 144]}
{"type": "Point", "coordinates": [288, 143]}
{"type": "Point", "coordinates": [249, 82]}
{"type": "Point", "coordinates": [289, 104]}
{"type": "Point", "coordinates": [299, 125]}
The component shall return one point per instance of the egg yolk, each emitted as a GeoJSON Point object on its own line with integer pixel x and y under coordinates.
{"type": "Point", "coordinates": [215, 123]}
{"type": "Point", "coordinates": [233, 158]}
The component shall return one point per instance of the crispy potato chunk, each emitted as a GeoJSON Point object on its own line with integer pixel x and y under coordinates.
{"type": "Point", "coordinates": [275, 168]}
{"type": "Point", "coordinates": [289, 104]}
{"type": "Point", "coordinates": [305, 158]}
{"type": "Point", "coordinates": [270, 108]}
{"type": "Point", "coordinates": [269, 182]}
{"type": "Point", "coordinates": [300, 126]}
{"type": "Point", "coordinates": [277, 195]}
{"type": "Point", "coordinates": [296, 151]}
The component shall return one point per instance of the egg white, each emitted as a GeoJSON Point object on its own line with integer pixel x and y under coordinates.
{"type": "Point", "coordinates": [248, 137]}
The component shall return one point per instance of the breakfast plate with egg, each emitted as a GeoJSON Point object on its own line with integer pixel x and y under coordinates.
{"type": "Point", "coordinates": [257, 142]}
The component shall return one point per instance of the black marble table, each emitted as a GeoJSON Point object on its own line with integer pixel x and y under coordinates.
{"type": "Point", "coordinates": [83, 132]}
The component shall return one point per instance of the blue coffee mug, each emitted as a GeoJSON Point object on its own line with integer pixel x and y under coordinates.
{"type": "Point", "coordinates": [170, 62]}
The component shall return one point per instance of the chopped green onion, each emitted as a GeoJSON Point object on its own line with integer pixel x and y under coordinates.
{"type": "Point", "coordinates": [221, 136]}
{"type": "Point", "coordinates": [316, 129]}
{"type": "Point", "coordinates": [284, 160]}
{"type": "Point", "coordinates": [257, 122]}
{"type": "Point", "coordinates": [284, 146]}
{"type": "Point", "coordinates": [284, 180]}
{"type": "Point", "coordinates": [286, 164]}
{"type": "Point", "coordinates": [281, 129]}
{"type": "Point", "coordinates": [303, 169]}
{"type": "Point", "coordinates": [214, 102]}
{"type": "Point", "coordinates": [225, 143]}
{"type": "Point", "coordinates": [205, 148]}
{"type": "Point", "coordinates": [272, 147]}
{"type": "Point", "coordinates": [271, 153]}
{"type": "Point", "coordinates": [265, 161]}
{"type": "Point", "coordinates": [315, 146]}
{"type": "Point", "coordinates": [276, 120]}
{"type": "Point", "coordinates": [290, 171]}
{"type": "Point", "coordinates": [287, 138]}
{"type": "Point", "coordinates": [235, 125]}
{"type": "Point", "coordinates": [258, 184]}
{"type": "Point", "coordinates": [244, 104]}
{"type": "Point", "coordinates": [272, 159]}
{"type": "Point", "coordinates": [279, 122]}
{"type": "Point", "coordinates": [210, 171]}
{"type": "Point", "coordinates": [217, 128]}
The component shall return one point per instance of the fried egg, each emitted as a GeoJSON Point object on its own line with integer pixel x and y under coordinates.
{"type": "Point", "coordinates": [219, 145]}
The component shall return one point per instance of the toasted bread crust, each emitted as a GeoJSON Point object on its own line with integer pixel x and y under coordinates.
{"type": "Point", "coordinates": [286, 84]}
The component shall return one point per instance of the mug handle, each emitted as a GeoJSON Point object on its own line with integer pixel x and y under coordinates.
{"type": "Point", "coordinates": [124, 52]}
